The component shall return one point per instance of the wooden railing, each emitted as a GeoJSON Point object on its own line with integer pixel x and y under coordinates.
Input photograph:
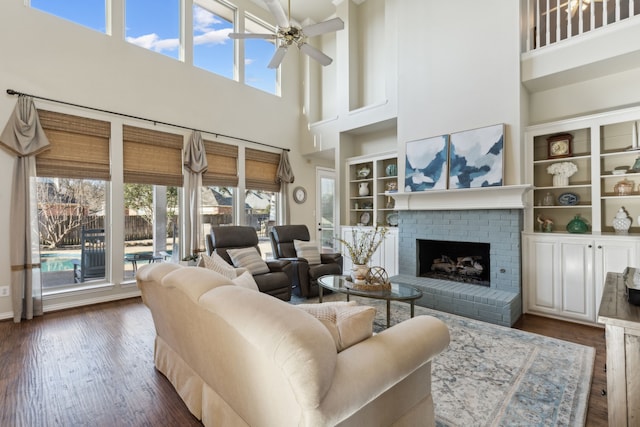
{"type": "Point", "coordinates": [553, 21]}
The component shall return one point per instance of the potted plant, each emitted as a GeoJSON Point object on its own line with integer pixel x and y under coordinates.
{"type": "Point", "coordinates": [360, 248]}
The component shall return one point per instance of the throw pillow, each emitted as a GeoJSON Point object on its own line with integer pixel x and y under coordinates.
{"type": "Point", "coordinates": [308, 251]}
{"type": "Point", "coordinates": [347, 324]}
{"type": "Point", "coordinates": [216, 263]}
{"type": "Point", "coordinates": [248, 258]}
{"type": "Point", "coordinates": [245, 280]}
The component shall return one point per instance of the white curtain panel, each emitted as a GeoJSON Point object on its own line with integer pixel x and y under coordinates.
{"type": "Point", "coordinates": [24, 137]}
{"type": "Point", "coordinates": [285, 177]}
{"type": "Point", "coordinates": [195, 162]}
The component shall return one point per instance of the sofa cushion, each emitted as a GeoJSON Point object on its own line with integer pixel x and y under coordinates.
{"type": "Point", "coordinates": [194, 281]}
{"type": "Point", "coordinates": [348, 324]}
{"type": "Point", "coordinates": [308, 251]}
{"type": "Point", "coordinates": [250, 259]}
{"type": "Point", "coordinates": [246, 280]}
{"type": "Point", "coordinates": [216, 263]}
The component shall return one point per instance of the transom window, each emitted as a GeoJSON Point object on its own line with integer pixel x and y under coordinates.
{"type": "Point", "coordinates": [89, 13]}
{"type": "Point", "coordinates": [213, 50]}
{"type": "Point", "coordinates": [257, 55]}
{"type": "Point", "coordinates": [154, 25]}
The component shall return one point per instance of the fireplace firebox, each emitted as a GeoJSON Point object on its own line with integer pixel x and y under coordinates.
{"type": "Point", "coordinates": [466, 262]}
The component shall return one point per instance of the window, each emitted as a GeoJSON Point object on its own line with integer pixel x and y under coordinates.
{"type": "Point", "coordinates": [71, 190]}
{"type": "Point", "coordinates": [219, 182]}
{"type": "Point", "coordinates": [89, 13]}
{"type": "Point", "coordinates": [213, 50]}
{"type": "Point", "coordinates": [257, 55]}
{"type": "Point", "coordinates": [152, 196]}
{"type": "Point", "coordinates": [262, 193]}
{"type": "Point", "coordinates": [154, 25]}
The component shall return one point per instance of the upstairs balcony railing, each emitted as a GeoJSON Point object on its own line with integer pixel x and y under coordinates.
{"type": "Point", "coordinates": [553, 21]}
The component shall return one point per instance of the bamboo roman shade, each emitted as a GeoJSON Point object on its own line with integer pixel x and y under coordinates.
{"type": "Point", "coordinates": [79, 147]}
{"type": "Point", "coordinates": [261, 168]}
{"type": "Point", "coordinates": [223, 165]}
{"type": "Point", "coordinates": [152, 157]}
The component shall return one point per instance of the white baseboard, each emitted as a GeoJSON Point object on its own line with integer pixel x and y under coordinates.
{"type": "Point", "coordinates": [97, 299]}
{"type": "Point", "coordinates": [72, 303]}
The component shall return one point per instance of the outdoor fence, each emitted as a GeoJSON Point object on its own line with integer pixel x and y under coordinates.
{"type": "Point", "coordinates": [138, 228]}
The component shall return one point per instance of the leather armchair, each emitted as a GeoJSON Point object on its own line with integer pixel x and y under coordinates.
{"type": "Point", "coordinates": [305, 276]}
{"type": "Point", "coordinates": [277, 282]}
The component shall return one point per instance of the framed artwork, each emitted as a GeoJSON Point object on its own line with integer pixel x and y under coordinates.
{"type": "Point", "coordinates": [426, 164]}
{"type": "Point", "coordinates": [476, 158]}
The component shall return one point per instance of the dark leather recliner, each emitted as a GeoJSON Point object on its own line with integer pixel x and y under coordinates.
{"type": "Point", "coordinates": [305, 276]}
{"type": "Point", "coordinates": [277, 282]}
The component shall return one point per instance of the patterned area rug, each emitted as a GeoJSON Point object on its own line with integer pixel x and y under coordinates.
{"type": "Point", "coordinates": [496, 376]}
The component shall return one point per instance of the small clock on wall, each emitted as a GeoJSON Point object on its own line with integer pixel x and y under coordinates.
{"type": "Point", "coordinates": [559, 146]}
{"type": "Point", "coordinates": [299, 195]}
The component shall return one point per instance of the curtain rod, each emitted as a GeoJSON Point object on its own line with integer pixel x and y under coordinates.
{"type": "Point", "coordinates": [155, 122]}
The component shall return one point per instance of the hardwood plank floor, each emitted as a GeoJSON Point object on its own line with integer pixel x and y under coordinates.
{"type": "Point", "coordinates": [93, 366]}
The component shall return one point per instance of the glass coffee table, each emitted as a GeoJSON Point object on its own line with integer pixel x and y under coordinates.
{"type": "Point", "coordinates": [398, 292]}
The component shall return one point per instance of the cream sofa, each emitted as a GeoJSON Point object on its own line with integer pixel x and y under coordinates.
{"type": "Point", "coordinates": [243, 358]}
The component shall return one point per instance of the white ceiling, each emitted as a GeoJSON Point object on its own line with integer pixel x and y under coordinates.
{"type": "Point", "coordinates": [316, 10]}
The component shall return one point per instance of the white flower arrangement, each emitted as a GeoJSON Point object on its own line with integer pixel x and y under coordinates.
{"type": "Point", "coordinates": [363, 243]}
{"type": "Point", "coordinates": [564, 169]}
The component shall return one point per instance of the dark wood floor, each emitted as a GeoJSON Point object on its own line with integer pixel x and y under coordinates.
{"type": "Point", "coordinates": [93, 366]}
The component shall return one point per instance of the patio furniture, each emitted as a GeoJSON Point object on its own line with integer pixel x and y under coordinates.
{"type": "Point", "coordinates": [92, 256]}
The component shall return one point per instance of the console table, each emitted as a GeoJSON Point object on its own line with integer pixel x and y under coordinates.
{"type": "Point", "coordinates": [622, 325]}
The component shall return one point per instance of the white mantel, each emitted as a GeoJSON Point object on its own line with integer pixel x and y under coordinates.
{"type": "Point", "coordinates": [505, 197]}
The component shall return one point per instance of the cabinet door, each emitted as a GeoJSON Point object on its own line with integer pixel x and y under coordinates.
{"type": "Point", "coordinates": [389, 253]}
{"type": "Point", "coordinates": [345, 233]}
{"type": "Point", "coordinates": [542, 286]}
{"type": "Point", "coordinates": [611, 256]}
{"type": "Point", "coordinates": [576, 276]}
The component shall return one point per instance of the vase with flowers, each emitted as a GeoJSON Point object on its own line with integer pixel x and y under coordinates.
{"type": "Point", "coordinates": [561, 173]}
{"type": "Point", "coordinates": [361, 248]}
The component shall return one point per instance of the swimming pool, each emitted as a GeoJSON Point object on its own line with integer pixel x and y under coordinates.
{"type": "Point", "coordinates": [56, 261]}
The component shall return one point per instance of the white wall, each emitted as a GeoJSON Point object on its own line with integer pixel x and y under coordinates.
{"type": "Point", "coordinates": [457, 71]}
{"type": "Point", "coordinates": [47, 56]}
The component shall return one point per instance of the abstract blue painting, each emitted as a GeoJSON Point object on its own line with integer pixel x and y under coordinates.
{"type": "Point", "coordinates": [426, 164]}
{"type": "Point", "coordinates": [476, 158]}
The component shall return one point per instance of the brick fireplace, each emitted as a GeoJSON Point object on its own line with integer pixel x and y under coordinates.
{"type": "Point", "coordinates": [494, 222]}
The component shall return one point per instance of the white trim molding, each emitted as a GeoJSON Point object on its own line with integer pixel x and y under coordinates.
{"type": "Point", "coordinates": [505, 197]}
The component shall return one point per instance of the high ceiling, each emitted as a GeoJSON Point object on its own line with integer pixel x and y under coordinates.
{"type": "Point", "coordinates": [316, 10]}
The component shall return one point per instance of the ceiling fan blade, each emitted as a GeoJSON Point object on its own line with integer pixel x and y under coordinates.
{"type": "Point", "coordinates": [251, 36]}
{"type": "Point", "coordinates": [316, 54]}
{"type": "Point", "coordinates": [334, 24]}
{"type": "Point", "coordinates": [277, 11]}
{"type": "Point", "coordinates": [277, 57]}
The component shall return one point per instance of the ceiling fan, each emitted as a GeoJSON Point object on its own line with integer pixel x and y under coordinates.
{"type": "Point", "coordinates": [288, 33]}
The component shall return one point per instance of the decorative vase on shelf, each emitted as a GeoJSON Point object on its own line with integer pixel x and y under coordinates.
{"type": "Point", "coordinates": [622, 221]}
{"type": "Point", "coordinates": [577, 225]}
{"type": "Point", "coordinates": [359, 273]}
{"type": "Point", "coordinates": [391, 170]}
{"type": "Point", "coordinates": [560, 180]}
{"type": "Point", "coordinates": [548, 199]}
{"type": "Point", "coordinates": [624, 187]}
{"type": "Point", "coordinates": [364, 172]}
{"type": "Point", "coordinates": [363, 189]}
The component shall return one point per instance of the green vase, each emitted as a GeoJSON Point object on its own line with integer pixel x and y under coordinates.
{"type": "Point", "coordinates": [577, 225]}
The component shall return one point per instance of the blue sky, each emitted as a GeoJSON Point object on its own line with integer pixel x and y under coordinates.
{"type": "Point", "coordinates": [155, 25]}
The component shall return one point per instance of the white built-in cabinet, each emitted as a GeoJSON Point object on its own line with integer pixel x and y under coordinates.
{"type": "Point", "coordinates": [564, 273]}
{"type": "Point", "coordinates": [564, 277]}
{"type": "Point", "coordinates": [366, 209]}
{"type": "Point", "coordinates": [369, 179]}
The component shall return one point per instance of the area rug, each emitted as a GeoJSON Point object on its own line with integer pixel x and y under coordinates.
{"type": "Point", "coordinates": [496, 376]}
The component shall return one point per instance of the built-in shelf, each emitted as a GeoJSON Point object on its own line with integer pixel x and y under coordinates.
{"type": "Point", "coordinates": [505, 197]}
